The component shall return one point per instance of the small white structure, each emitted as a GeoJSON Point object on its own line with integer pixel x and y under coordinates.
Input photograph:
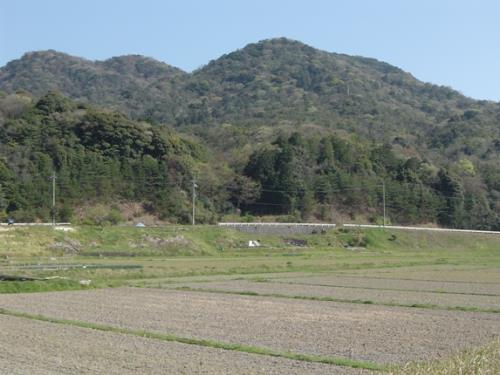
{"type": "Point", "coordinates": [253, 243]}
{"type": "Point", "coordinates": [64, 229]}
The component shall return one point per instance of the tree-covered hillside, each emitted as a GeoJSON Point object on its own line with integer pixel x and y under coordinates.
{"type": "Point", "coordinates": [327, 176]}
{"type": "Point", "coordinates": [102, 157]}
{"type": "Point", "coordinates": [271, 82]}
{"type": "Point", "coordinates": [98, 157]}
{"type": "Point", "coordinates": [136, 85]}
{"type": "Point", "coordinates": [276, 84]}
{"type": "Point", "coordinates": [288, 129]}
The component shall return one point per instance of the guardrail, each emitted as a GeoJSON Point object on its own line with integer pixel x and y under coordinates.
{"type": "Point", "coordinates": [420, 228]}
{"type": "Point", "coordinates": [278, 224]}
{"type": "Point", "coordinates": [33, 224]}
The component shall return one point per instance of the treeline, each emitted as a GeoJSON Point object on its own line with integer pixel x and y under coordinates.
{"type": "Point", "coordinates": [327, 176]}
{"type": "Point", "coordinates": [103, 157]}
{"type": "Point", "coordinates": [97, 157]}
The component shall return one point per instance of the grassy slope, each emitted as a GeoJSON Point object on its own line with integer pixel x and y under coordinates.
{"type": "Point", "coordinates": [116, 255]}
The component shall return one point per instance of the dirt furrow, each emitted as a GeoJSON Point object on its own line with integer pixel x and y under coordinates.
{"type": "Point", "coordinates": [391, 283]}
{"type": "Point", "coordinates": [346, 293]}
{"type": "Point", "coordinates": [363, 332]}
{"type": "Point", "coordinates": [35, 347]}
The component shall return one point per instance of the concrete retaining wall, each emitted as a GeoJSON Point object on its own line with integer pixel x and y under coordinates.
{"type": "Point", "coordinates": [278, 228]}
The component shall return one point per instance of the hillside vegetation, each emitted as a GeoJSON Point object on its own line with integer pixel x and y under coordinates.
{"type": "Point", "coordinates": [287, 130]}
{"type": "Point", "coordinates": [98, 157]}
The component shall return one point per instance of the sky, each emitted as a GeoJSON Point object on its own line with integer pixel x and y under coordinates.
{"type": "Point", "coordinates": [451, 43]}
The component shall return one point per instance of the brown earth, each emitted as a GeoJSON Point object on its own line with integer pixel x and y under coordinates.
{"type": "Point", "coordinates": [391, 283]}
{"type": "Point", "coordinates": [376, 296]}
{"type": "Point", "coordinates": [363, 332]}
{"type": "Point", "coordinates": [453, 273]}
{"type": "Point", "coordinates": [35, 347]}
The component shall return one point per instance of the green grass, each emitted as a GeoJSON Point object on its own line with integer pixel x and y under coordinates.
{"type": "Point", "coordinates": [38, 286]}
{"type": "Point", "coordinates": [338, 361]}
{"type": "Point", "coordinates": [177, 251]}
{"type": "Point", "coordinates": [219, 241]}
{"type": "Point", "coordinates": [481, 361]}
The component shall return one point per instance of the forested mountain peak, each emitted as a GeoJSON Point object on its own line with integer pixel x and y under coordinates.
{"type": "Point", "coordinates": [136, 84]}
{"type": "Point", "coordinates": [60, 67]}
{"type": "Point", "coordinates": [141, 67]}
{"type": "Point", "coordinates": [285, 50]}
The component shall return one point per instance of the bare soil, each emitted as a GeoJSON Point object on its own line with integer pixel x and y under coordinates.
{"type": "Point", "coordinates": [376, 296]}
{"type": "Point", "coordinates": [35, 347]}
{"type": "Point", "coordinates": [393, 283]}
{"type": "Point", "coordinates": [366, 332]}
{"type": "Point", "coordinates": [478, 274]}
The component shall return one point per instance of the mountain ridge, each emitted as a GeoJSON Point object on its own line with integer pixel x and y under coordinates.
{"type": "Point", "coordinates": [28, 54]}
{"type": "Point", "coordinates": [310, 72]}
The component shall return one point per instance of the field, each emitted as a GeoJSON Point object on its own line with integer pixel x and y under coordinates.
{"type": "Point", "coordinates": [184, 300]}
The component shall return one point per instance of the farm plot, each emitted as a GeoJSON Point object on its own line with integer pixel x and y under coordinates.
{"type": "Point", "coordinates": [395, 284]}
{"type": "Point", "coordinates": [359, 332]}
{"type": "Point", "coordinates": [442, 300]}
{"type": "Point", "coordinates": [470, 274]}
{"type": "Point", "coordinates": [35, 347]}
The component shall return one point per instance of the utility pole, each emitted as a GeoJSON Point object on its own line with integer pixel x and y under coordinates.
{"type": "Point", "coordinates": [383, 197]}
{"type": "Point", "coordinates": [53, 178]}
{"type": "Point", "coordinates": [193, 222]}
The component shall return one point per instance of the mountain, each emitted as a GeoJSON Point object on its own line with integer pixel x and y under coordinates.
{"type": "Point", "coordinates": [281, 113]}
{"type": "Point", "coordinates": [284, 80]}
{"type": "Point", "coordinates": [284, 84]}
{"type": "Point", "coordinates": [270, 81]}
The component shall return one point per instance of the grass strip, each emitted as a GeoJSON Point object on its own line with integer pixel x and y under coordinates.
{"type": "Point", "coordinates": [483, 360]}
{"type": "Point", "coordinates": [35, 286]}
{"type": "Point", "coordinates": [309, 269]}
{"type": "Point", "coordinates": [389, 289]}
{"type": "Point", "coordinates": [342, 300]}
{"type": "Point", "coordinates": [337, 361]}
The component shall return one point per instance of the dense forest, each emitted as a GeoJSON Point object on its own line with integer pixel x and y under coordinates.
{"type": "Point", "coordinates": [97, 157]}
{"type": "Point", "coordinates": [276, 128]}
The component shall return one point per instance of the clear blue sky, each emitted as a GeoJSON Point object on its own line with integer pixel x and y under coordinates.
{"type": "Point", "coordinates": [452, 43]}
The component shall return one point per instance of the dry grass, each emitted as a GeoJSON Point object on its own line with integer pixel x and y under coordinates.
{"type": "Point", "coordinates": [478, 361]}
